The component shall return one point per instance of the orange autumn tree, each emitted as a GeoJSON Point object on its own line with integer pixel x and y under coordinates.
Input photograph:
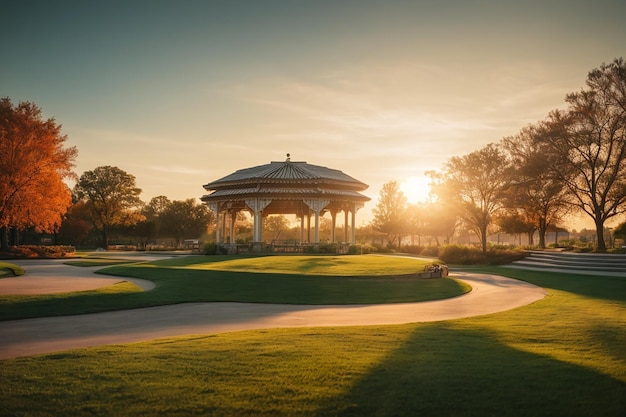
{"type": "Point", "coordinates": [33, 165]}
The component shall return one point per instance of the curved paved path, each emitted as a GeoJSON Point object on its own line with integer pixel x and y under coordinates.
{"type": "Point", "coordinates": [490, 294]}
{"type": "Point", "coordinates": [50, 276]}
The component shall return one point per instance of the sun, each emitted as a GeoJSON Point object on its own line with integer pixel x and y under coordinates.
{"type": "Point", "coordinates": [416, 189]}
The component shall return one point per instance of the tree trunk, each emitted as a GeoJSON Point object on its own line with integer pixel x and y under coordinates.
{"type": "Point", "coordinates": [105, 238]}
{"type": "Point", "coordinates": [4, 239]}
{"type": "Point", "coordinates": [483, 237]}
{"type": "Point", "coordinates": [542, 239]}
{"type": "Point", "coordinates": [14, 237]}
{"type": "Point", "coordinates": [543, 228]}
{"type": "Point", "coordinates": [601, 245]}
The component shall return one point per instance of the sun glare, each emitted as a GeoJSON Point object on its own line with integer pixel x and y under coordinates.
{"type": "Point", "coordinates": [416, 189]}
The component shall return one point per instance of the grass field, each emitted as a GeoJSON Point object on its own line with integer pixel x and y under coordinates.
{"type": "Point", "coordinates": [87, 262]}
{"type": "Point", "coordinates": [213, 278]}
{"type": "Point", "coordinates": [562, 356]}
{"type": "Point", "coordinates": [10, 270]}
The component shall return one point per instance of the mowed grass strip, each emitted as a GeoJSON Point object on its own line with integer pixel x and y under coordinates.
{"type": "Point", "coordinates": [561, 356]}
{"type": "Point", "coordinates": [15, 307]}
{"type": "Point", "coordinates": [89, 262]}
{"type": "Point", "coordinates": [8, 269]}
{"type": "Point", "coordinates": [355, 265]}
{"type": "Point", "coordinates": [188, 279]}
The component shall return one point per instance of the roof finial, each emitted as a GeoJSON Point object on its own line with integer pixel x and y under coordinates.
{"type": "Point", "coordinates": [288, 158]}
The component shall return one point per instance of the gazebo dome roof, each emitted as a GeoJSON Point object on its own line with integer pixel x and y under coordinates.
{"type": "Point", "coordinates": [287, 172]}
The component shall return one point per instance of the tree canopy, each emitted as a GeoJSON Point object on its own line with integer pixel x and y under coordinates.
{"type": "Point", "coordinates": [111, 197]}
{"type": "Point", "coordinates": [535, 199]}
{"type": "Point", "coordinates": [475, 183]}
{"type": "Point", "coordinates": [33, 164]}
{"type": "Point", "coordinates": [588, 140]}
{"type": "Point", "coordinates": [184, 219]}
{"type": "Point", "coordinates": [390, 212]}
{"type": "Point", "coordinates": [275, 225]}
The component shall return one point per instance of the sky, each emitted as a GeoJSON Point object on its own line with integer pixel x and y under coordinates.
{"type": "Point", "coordinates": [181, 93]}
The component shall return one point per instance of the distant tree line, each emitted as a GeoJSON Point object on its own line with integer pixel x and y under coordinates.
{"type": "Point", "coordinates": [572, 161]}
{"type": "Point", "coordinates": [106, 200]}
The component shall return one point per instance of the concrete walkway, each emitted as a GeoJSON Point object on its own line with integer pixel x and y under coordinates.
{"type": "Point", "coordinates": [50, 276]}
{"type": "Point", "coordinates": [490, 294]}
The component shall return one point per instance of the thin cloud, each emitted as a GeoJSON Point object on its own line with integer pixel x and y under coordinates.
{"type": "Point", "coordinates": [176, 170]}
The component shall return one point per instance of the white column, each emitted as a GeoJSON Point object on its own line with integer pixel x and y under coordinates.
{"type": "Point", "coordinates": [308, 227]}
{"type": "Point", "coordinates": [333, 216]}
{"type": "Point", "coordinates": [317, 205]}
{"type": "Point", "coordinates": [353, 238]}
{"type": "Point", "coordinates": [256, 206]}
{"type": "Point", "coordinates": [345, 225]}
{"type": "Point", "coordinates": [233, 219]}
{"type": "Point", "coordinates": [357, 205]}
{"type": "Point", "coordinates": [223, 227]}
{"type": "Point", "coordinates": [256, 236]}
{"type": "Point", "coordinates": [316, 238]}
{"type": "Point", "coordinates": [214, 207]}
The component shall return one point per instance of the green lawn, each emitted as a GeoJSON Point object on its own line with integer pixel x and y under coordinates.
{"type": "Point", "coordinates": [87, 262]}
{"type": "Point", "coordinates": [562, 356]}
{"type": "Point", "coordinates": [273, 279]}
{"type": "Point", "coordinates": [10, 270]}
{"type": "Point", "coordinates": [364, 265]}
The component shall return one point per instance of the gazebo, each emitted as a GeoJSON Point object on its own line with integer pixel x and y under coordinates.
{"type": "Point", "coordinates": [292, 188]}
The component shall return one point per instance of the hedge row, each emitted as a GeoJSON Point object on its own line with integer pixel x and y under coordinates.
{"type": "Point", "coordinates": [39, 251]}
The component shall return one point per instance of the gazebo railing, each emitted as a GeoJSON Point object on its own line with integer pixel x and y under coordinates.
{"type": "Point", "coordinates": [339, 248]}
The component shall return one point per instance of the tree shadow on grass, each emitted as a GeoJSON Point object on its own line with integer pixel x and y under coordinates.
{"type": "Point", "coordinates": [446, 371]}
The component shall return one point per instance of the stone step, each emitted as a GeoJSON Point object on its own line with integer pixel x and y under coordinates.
{"type": "Point", "coordinates": [574, 262]}
{"type": "Point", "coordinates": [579, 257]}
{"type": "Point", "coordinates": [574, 266]}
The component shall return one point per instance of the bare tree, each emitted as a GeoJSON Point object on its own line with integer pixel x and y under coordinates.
{"type": "Point", "coordinates": [538, 198]}
{"type": "Point", "coordinates": [589, 142]}
{"type": "Point", "coordinates": [474, 183]}
{"type": "Point", "coordinates": [390, 213]}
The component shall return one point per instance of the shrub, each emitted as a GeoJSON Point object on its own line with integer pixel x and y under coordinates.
{"type": "Point", "coordinates": [380, 248]}
{"type": "Point", "coordinates": [39, 251]}
{"type": "Point", "coordinates": [414, 249]}
{"type": "Point", "coordinates": [504, 256]}
{"type": "Point", "coordinates": [621, 250]}
{"type": "Point", "coordinates": [361, 249]}
{"type": "Point", "coordinates": [430, 251]}
{"type": "Point", "coordinates": [209, 249]}
{"type": "Point", "coordinates": [466, 255]}
{"type": "Point", "coordinates": [461, 255]}
{"type": "Point", "coordinates": [327, 248]}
